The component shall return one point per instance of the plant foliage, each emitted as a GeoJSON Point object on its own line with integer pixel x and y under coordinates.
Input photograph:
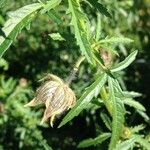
{"type": "Point", "coordinates": [55, 39]}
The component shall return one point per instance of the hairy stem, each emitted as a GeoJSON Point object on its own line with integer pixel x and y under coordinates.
{"type": "Point", "coordinates": [75, 69]}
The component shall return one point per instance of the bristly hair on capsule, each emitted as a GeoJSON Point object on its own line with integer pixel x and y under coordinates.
{"type": "Point", "coordinates": [56, 95]}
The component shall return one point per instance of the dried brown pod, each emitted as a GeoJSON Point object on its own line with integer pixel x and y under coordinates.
{"type": "Point", "coordinates": [56, 95]}
{"type": "Point", "coordinates": [107, 57]}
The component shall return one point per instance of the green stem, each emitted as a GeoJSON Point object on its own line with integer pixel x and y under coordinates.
{"type": "Point", "coordinates": [79, 61]}
{"type": "Point", "coordinates": [107, 102]}
{"type": "Point", "coordinates": [75, 69]}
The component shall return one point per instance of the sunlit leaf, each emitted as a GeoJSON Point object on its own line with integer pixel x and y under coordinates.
{"type": "Point", "coordinates": [131, 94]}
{"type": "Point", "coordinates": [18, 20]}
{"type": "Point", "coordinates": [54, 16]}
{"type": "Point", "coordinates": [95, 141]}
{"type": "Point", "coordinates": [106, 120]}
{"type": "Point", "coordinates": [143, 142]}
{"type": "Point", "coordinates": [117, 115]}
{"type": "Point", "coordinates": [50, 5]}
{"type": "Point", "coordinates": [125, 63]}
{"type": "Point", "coordinates": [56, 36]}
{"type": "Point", "coordinates": [92, 91]}
{"type": "Point", "coordinates": [144, 115]}
{"type": "Point", "coordinates": [102, 9]}
{"type": "Point", "coordinates": [133, 103]}
{"type": "Point", "coordinates": [79, 22]}
{"type": "Point", "coordinates": [136, 129]}
{"type": "Point", "coordinates": [116, 40]}
{"type": "Point", "coordinates": [126, 145]}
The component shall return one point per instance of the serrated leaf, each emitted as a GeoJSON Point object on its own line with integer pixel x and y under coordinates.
{"type": "Point", "coordinates": [79, 22]}
{"type": "Point", "coordinates": [127, 144]}
{"type": "Point", "coordinates": [95, 141]}
{"type": "Point", "coordinates": [116, 40]}
{"type": "Point", "coordinates": [125, 63]}
{"type": "Point", "coordinates": [56, 36]}
{"type": "Point", "coordinates": [110, 49]}
{"type": "Point", "coordinates": [106, 120]}
{"type": "Point", "coordinates": [117, 87]}
{"type": "Point", "coordinates": [136, 129]}
{"type": "Point", "coordinates": [102, 9]}
{"type": "Point", "coordinates": [133, 103]}
{"type": "Point", "coordinates": [98, 27]}
{"type": "Point", "coordinates": [2, 3]}
{"type": "Point", "coordinates": [45, 145]}
{"type": "Point", "coordinates": [4, 64]}
{"type": "Point", "coordinates": [117, 115]}
{"type": "Point", "coordinates": [131, 94]}
{"type": "Point", "coordinates": [92, 91]}
{"type": "Point", "coordinates": [19, 19]}
{"type": "Point", "coordinates": [50, 5]}
{"type": "Point", "coordinates": [54, 16]}
{"type": "Point", "coordinates": [143, 142]}
{"type": "Point", "coordinates": [144, 115]}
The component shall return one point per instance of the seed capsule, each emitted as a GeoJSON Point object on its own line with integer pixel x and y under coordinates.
{"type": "Point", "coordinates": [56, 95]}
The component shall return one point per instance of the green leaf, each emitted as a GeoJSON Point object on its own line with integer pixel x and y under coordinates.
{"type": "Point", "coordinates": [98, 27]}
{"type": "Point", "coordinates": [133, 103]}
{"type": "Point", "coordinates": [95, 141]}
{"type": "Point", "coordinates": [45, 145]}
{"type": "Point", "coordinates": [92, 91]}
{"type": "Point", "coordinates": [127, 144]}
{"type": "Point", "coordinates": [103, 10]}
{"type": "Point", "coordinates": [125, 63]}
{"type": "Point", "coordinates": [106, 120]}
{"type": "Point", "coordinates": [143, 142]}
{"type": "Point", "coordinates": [56, 36]}
{"type": "Point", "coordinates": [109, 49]}
{"type": "Point", "coordinates": [4, 64]}
{"type": "Point", "coordinates": [80, 22]}
{"type": "Point", "coordinates": [54, 16]}
{"type": "Point", "coordinates": [50, 5]}
{"type": "Point", "coordinates": [136, 129]}
{"type": "Point", "coordinates": [117, 115]}
{"type": "Point", "coordinates": [18, 20]}
{"type": "Point", "coordinates": [144, 115]}
{"type": "Point", "coordinates": [131, 94]}
{"type": "Point", "coordinates": [116, 40]}
{"type": "Point", "coordinates": [2, 3]}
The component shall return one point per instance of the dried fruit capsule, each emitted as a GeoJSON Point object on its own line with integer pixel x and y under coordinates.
{"type": "Point", "coordinates": [56, 95]}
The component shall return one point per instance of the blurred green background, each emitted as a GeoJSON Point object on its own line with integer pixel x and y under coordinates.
{"type": "Point", "coordinates": [34, 53]}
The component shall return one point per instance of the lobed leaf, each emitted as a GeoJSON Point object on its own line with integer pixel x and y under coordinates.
{"type": "Point", "coordinates": [18, 20]}
{"type": "Point", "coordinates": [125, 63]}
{"type": "Point", "coordinates": [117, 115]}
{"type": "Point", "coordinates": [79, 21]}
{"type": "Point", "coordinates": [144, 115]}
{"type": "Point", "coordinates": [116, 40]}
{"type": "Point", "coordinates": [95, 141]}
{"type": "Point", "coordinates": [133, 103]}
{"type": "Point", "coordinates": [56, 36]}
{"type": "Point", "coordinates": [102, 9]}
{"type": "Point", "coordinates": [50, 5]}
{"type": "Point", "coordinates": [54, 16]}
{"type": "Point", "coordinates": [90, 92]}
{"type": "Point", "coordinates": [131, 94]}
{"type": "Point", "coordinates": [143, 142]}
{"type": "Point", "coordinates": [127, 144]}
{"type": "Point", "coordinates": [136, 129]}
{"type": "Point", "coordinates": [106, 120]}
